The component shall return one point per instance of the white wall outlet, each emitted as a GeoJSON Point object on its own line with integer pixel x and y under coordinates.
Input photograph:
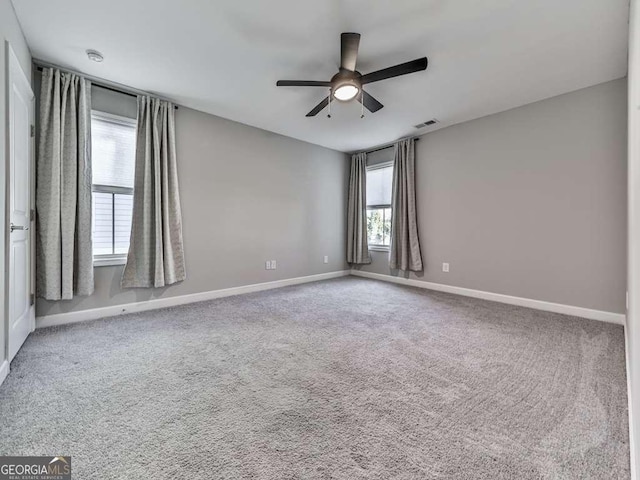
{"type": "Point", "coordinates": [267, 265]}
{"type": "Point", "coordinates": [273, 264]}
{"type": "Point", "coordinates": [326, 259]}
{"type": "Point", "coordinates": [445, 267]}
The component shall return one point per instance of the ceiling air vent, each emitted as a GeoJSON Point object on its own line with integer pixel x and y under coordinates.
{"type": "Point", "coordinates": [428, 123]}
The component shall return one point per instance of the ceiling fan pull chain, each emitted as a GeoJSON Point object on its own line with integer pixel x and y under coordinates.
{"type": "Point", "coordinates": [329, 114]}
{"type": "Point", "coordinates": [362, 105]}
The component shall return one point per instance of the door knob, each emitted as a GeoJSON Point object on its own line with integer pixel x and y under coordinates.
{"type": "Point", "coordinates": [17, 227]}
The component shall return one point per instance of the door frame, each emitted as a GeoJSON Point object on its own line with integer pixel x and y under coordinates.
{"type": "Point", "coordinates": [11, 62]}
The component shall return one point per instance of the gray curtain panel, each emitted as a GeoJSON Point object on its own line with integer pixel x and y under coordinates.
{"type": "Point", "coordinates": [64, 258]}
{"type": "Point", "coordinates": [357, 245]}
{"type": "Point", "coordinates": [405, 244]}
{"type": "Point", "coordinates": [156, 253]}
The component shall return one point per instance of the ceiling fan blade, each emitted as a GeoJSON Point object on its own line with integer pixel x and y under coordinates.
{"type": "Point", "coordinates": [318, 108]}
{"type": "Point", "coordinates": [302, 83]}
{"type": "Point", "coordinates": [369, 102]}
{"type": "Point", "coordinates": [349, 43]}
{"type": "Point", "coordinates": [402, 69]}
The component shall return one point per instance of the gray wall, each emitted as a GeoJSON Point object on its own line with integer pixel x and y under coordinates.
{"type": "Point", "coordinates": [530, 202]}
{"type": "Point", "coordinates": [9, 31]}
{"type": "Point", "coordinates": [247, 196]}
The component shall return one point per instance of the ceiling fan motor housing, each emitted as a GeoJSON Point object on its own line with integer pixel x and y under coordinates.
{"type": "Point", "coordinates": [345, 77]}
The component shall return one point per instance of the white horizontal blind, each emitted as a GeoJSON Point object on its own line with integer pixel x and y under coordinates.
{"type": "Point", "coordinates": [113, 149]}
{"type": "Point", "coordinates": [111, 223]}
{"type": "Point", "coordinates": [123, 209]}
{"type": "Point", "coordinates": [102, 223]}
{"type": "Point", "coordinates": [113, 161]}
{"type": "Point", "coordinates": [379, 184]}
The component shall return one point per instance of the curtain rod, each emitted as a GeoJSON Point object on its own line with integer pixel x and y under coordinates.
{"type": "Point", "coordinates": [99, 82]}
{"type": "Point", "coordinates": [384, 146]}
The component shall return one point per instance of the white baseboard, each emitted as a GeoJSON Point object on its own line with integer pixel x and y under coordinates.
{"type": "Point", "coordinates": [4, 371]}
{"type": "Point", "coordinates": [609, 317]}
{"type": "Point", "coordinates": [96, 313]}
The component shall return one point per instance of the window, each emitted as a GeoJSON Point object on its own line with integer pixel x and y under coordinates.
{"type": "Point", "coordinates": [379, 184]}
{"type": "Point", "coordinates": [113, 144]}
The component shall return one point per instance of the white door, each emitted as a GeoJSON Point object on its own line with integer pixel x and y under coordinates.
{"type": "Point", "coordinates": [21, 308]}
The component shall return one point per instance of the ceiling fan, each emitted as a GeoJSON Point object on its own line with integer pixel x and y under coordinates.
{"type": "Point", "coordinates": [348, 82]}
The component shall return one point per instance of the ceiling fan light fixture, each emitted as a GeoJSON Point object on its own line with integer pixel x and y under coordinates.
{"type": "Point", "coordinates": [346, 92]}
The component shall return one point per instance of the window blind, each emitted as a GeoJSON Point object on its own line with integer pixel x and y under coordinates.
{"type": "Point", "coordinates": [379, 183]}
{"type": "Point", "coordinates": [113, 149]}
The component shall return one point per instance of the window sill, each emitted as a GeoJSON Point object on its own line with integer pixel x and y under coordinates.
{"type": "Point", "coordinates": [109, 260]}
{"type": "Point", "coordinates": [377, 248]}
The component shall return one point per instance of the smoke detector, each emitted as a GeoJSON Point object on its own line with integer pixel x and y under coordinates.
{"type": "Point", "coordinates": [95, 56]}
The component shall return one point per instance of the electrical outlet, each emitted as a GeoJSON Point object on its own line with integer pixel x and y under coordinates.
{"type": "Point", "coordinates": [445, 267]}
{"type": "Point", "coordinates": [273, 264]}
{"type": "Point", "coordinates": [267, 265]}
{"type": "Point", "coordinates": [326, 259]}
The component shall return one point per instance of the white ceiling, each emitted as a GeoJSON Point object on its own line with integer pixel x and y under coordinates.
{"type": "Point", "coordinates": [224, 56]}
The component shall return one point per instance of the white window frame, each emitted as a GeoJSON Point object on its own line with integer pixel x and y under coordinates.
{"type": "Point", "coordinates": [114, 258]}
{"type": "Point", "coordinates": [379, 248]}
